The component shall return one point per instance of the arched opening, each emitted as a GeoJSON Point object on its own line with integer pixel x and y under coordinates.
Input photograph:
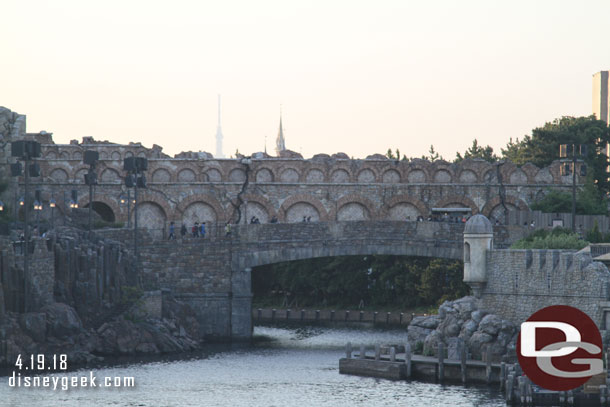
{"type": "Point", "coordinates": [105, 211]}
{"type": "Point", "coordinates": [466, 252]}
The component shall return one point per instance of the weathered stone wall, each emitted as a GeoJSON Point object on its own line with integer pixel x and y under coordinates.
{"type": "Point", "coordinates": [520, 282]}
{"type": "Point", "coordinates": [200, 188]}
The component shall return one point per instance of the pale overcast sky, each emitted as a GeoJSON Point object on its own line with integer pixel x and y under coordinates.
{"type": "Point", "coordinates": [351, 76]}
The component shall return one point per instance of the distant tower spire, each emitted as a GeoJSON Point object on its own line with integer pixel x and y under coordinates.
{"type": "Point", "coordinates": [280, 143]}
{"type": "Point", "coordinates": [219, 153]}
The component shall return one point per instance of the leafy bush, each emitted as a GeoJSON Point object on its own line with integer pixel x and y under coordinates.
{"type": "Point", "coordinates": [558, 238]}
{"type": "Point", "coordinates": [588, 202]}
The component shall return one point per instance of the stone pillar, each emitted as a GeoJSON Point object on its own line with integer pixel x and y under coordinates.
{"type": "Point", "coordinates": [241, 304]}
{"type": "Point", "coordinates": [478, 238]}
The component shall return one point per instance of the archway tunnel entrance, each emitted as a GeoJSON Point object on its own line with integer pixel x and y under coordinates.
{"type": "Point", "coordinates": [102, 209]}
{"type": "Point", "coordinates": [370, 282]}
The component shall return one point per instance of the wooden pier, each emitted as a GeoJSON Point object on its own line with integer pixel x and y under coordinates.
{"type": "Point", "coordinates": [272, 315]}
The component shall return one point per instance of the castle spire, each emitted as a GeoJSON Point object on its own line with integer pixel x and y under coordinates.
{"type": "Point", "coordinates": [219, 136]}
{"type": "Point", "coordinates": [280, 143]}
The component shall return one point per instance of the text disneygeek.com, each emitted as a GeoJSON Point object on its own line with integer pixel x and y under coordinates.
{"type": "Point", "coordinates": [69, 382]}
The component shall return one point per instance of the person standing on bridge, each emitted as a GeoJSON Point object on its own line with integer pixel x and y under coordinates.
{"type": "Point", "coordinates": [195, 229]}
{"type": "Point", "coordinates": [172, 236]}
{"type": "Point", "coordinates": [183, 230]}
{"type": "Point", "coordinates": [202, 232]}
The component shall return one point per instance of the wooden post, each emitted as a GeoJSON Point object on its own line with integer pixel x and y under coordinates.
{"type": "Point", "coordinates": [361, 316]}
{"type": "Point", "coordinates": [302, 315]}
{"type": "Point", "coordinates": [362, 352]}
{"type": "Point", "coordinates": [346, 315]}
{"type": "Point", "coordinates": [375, 316]}
{"type": "Point", "coordinates": [522, 389]}
{"type": "Point", "coordinates": [408, 359]}
{"type": "Point", "coordinates": [510, 381]}
{"type": "Point", "coordinates": [259, 313]}
{"type": "Point", "coordinates": [377, 351]}
{"type": "Point", "coordinates": [288, 314]}
{"type": "Point", "coordinates": [273, 314]}
{"type": "Point", "coordinates": [332, 315]}
{"type": "Point", "coordinates": [348, 350]}
{"type": "Point", "coordinates": [387, 318]}
{"type": "Point", "coordinates": [441, 360]}
{"type": "Point", "coordinates": [392, 354]}
{"type": "Point", "coordinates": [463, 365]}
{"type": "Point", "coordinates": [317, 315]}
{"type": "Point", "coordinates": [502, 375]}
{"type": "Point", "coordinates": [488, 367]}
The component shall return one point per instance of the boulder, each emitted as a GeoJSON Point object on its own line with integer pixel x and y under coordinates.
{"type": "Point", "coordinates": [62, 320]}
{"type": "Point", "coordinates": [490, 324]}
{"type": "Point", "coordinates": [417, 334]}
{"type": "Point", "coordinates": [478, 315]}
{"type": "Point", "coordinates": [34, 324]}
{"type": "Point", "coordinates": [431, 343]}
{"type": "Point", "coordinates": [428, 322]}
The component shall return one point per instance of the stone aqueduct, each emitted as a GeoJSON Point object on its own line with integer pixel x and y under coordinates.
{"type": "Point", "coordinates": [196, 187]}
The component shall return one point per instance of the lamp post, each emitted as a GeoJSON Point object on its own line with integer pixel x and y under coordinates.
{"type": "Point", "coordinates": [135, 167]}
{"type": "Point", "coordinates": [52, 204]}
{"type": "Point", "coordinates": [570, 154]}
{"type": "Point", "coordinates": [90, 158]}
{"type": "Point", "coordinates": [25, 150]}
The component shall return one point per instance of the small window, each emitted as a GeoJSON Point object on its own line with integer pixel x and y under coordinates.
{"type": "Point", "coordinates": [466, 252]}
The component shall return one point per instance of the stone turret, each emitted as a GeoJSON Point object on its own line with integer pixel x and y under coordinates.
{"type": "Point", "coordinates": [478, 239]}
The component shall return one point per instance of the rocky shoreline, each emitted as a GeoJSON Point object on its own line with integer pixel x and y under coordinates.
{"type": "Point", "coordinates": [57, 329]}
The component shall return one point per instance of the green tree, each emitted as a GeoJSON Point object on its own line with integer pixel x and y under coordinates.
{"type": "Point", "coordinates": [542, 147]}
{"type": "Point", "coordinates": [476, 151]}
{"type": "Point", "coordinates": [433, 155]}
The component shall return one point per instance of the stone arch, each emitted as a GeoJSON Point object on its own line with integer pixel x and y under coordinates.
{"type": "Point", "coordinates": [443, 176]}
{"type": "Point", "coordinates": [302, 199]}
{"type": "Point", "coordinates": [458, 201]}
{"type": "Point", "coordinates": [391, 176]}
{"type": "Point", "coordinates": [417, 175]}
{"type": "Point", "coordinates": [161, 175]}
{"type": "Point", "coordinates": [79, 175]}
{"type": "Point", "coordinates": [213, 175]}
{"type": "Point", "coordinates": [77, 155]}
{"type": "Point", "coordinates": [59, 175]}
{"type": "Point", "coordinates": [340, 176]}
{"type": "Point", "coordinates": [367, 176]}
{"type": "Point", "coordinates": [151, 215]}
{"type": "Point", "coordinates": [107, 208]}
{"type": "Point", "coordinates": [340, 211]}
{"type": "Point", "coordinates": [264, 212]}
{"type": "Point", "coordinates": [289, 175]}
{"type": "Point", "coordinates": [544, 176]}
{"type": "Point", "coordinates": [142, 154]}
{"type": "Point", "coordinates": [110, 176]}
{"type": "Point", "coordinates": [264, 174]}
{"type": "Point", "coordinates": [51, 155]}
{"type": "Point", "coordinates": [517, 177]}
{"type": "Point", "coordinates": [128, 154]}
{"type": "Point", "coordinates": [314, 176]}
{"type": "Point", "coordinates": [64, 155]}
{"type": "Point", "coordinates": [468, 177]}
{"type": "Point", "coordinates": [209, 200]}
{"type": "Point", "coordinates": [237, 175]}
{"type": "Point", "coordinates": [187, 175]}
{"type": "Point", "coordinates": [401, 206]}
{"type": "Point", "coordinates": [199, 211]}
{"type": "Point", "coordinates": [516, 203]}
{"type": "Point", "coordinates": [116, 156]}
{"type": "Point", "coordinates": [147, 195]}
{"type": "Point", "coordinates": [103, 155]}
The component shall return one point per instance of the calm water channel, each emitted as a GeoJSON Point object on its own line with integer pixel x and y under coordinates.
{"type": "Point", "coordinates": [294, 367]}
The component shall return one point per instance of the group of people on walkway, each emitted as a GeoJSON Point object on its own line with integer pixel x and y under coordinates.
{"type": "Point", "coordinates": [197, 230]}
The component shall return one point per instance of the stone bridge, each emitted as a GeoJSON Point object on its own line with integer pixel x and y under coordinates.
{"type": "Point", "coordinates": [197, 187]}
{"type": "Point", "coordinates": [214, 274]}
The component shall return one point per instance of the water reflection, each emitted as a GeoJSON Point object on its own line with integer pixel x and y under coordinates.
{"type": "Point", "coordinates": [286, 366]}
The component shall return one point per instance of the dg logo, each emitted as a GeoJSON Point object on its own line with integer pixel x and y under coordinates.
{"type": "Point", "coordinates": [560, 348]}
